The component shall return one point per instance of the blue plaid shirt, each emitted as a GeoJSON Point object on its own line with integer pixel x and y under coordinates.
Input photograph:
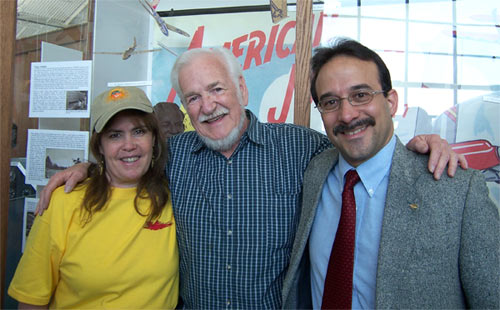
{"type": "Point", "coordinates": [236, 218]}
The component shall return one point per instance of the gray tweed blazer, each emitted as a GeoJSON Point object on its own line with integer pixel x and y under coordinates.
{"type": "Point", "coordinates": [439, 246]}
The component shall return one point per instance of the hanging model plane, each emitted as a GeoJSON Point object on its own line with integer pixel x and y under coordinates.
{"type": "Point", "coordinates": [164, 27]}
{"type": "Point", "coordinates": [129, 51]}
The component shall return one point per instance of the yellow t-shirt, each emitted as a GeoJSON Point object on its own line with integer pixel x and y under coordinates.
{"type": "Point", "coordinates": [111, 262]}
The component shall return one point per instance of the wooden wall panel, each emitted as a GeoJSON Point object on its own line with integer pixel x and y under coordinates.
{"type": "Point", "coordinates": [7, 37]}
{"type": "Point", "coordinates": [21, 102]}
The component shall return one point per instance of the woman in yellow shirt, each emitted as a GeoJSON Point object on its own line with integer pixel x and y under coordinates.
{"type": "Point", "coordinates": [111, 243]}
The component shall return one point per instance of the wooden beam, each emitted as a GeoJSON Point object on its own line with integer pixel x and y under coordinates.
{"type": "Point", "coordinates": [303, 51]}
{"type": "Point", "coordinates": [8, 39]}
{"type": "Point", "coordinates": [88, 51]}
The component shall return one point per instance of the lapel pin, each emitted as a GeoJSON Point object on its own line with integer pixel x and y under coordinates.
{"type": "Point", "coordinates": [414, 206]}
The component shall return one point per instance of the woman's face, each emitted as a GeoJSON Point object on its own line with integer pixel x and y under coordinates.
{"type": "Point", "coordinates": [127, 147]}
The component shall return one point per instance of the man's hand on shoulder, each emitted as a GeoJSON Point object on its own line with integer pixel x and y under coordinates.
{"type": "Point", "coordinates": [440, 155]}
{"type": "Point", "coordinates": [69, 177]}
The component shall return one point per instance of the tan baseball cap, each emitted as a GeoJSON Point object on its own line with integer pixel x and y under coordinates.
{"type": "Point", "coordinates": [117, 99]}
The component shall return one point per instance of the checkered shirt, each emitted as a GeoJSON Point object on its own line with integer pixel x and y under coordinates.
{"type": "Point", "coordinates": [236, 218]}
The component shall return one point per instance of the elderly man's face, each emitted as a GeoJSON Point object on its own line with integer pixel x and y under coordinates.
{"type": "Point", "coordinates": [214, 104]}
{"type": "Point", "coordinates": [170, 118]}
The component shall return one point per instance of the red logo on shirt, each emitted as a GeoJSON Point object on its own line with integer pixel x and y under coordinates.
{"type": "Point", "coordinates": [158, 225]}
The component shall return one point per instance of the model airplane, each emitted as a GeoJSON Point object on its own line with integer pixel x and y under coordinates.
{"type": "Point", "coordinates": [164, 27]}
{"type": "Point", "coordinates": [129, 51]}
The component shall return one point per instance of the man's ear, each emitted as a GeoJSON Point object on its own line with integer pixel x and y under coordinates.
{"type": "Point", "coordinates": [243, 90]}
{"type": "Point", "coordinates": [392, 101]}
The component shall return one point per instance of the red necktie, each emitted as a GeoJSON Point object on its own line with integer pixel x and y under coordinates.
{"type": "Point", "coordinates": [337, 293]}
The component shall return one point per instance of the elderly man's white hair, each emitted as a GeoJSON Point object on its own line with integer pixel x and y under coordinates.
{"type": "Point", "coordinates": [227, 58]}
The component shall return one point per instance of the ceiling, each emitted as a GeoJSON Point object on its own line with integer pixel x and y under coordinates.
{"type": "Point", "coordinates": [36, 17]}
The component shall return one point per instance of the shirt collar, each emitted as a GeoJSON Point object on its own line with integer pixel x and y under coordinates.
{"type": "Point", "coordinates": [254, 133]}
{"type": "Point", "coordinates": [255, 129]}
{"type": "Point", "coordinates": [372, 171]}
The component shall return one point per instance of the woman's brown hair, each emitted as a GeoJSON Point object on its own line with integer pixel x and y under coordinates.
{"type": "Point", "coordinates": [152, 185]}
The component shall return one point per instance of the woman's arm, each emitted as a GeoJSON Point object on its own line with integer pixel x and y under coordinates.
{"type": "Point", "coordinates": [69, 176]}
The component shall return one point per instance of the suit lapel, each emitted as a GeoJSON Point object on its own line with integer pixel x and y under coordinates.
{"type": "Point", "coordinates": [297, 281]}
{"type": "Point", "coordinates": [400, 224]}
{"type": "Point", "coordinates": [314, 178]}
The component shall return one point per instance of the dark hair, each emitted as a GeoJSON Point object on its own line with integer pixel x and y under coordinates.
{"type": "Point", "coordinates": [351, 48]}
{"type": "Point", "coordinates": [152, 185]}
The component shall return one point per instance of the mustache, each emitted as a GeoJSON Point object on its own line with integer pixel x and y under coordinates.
{"type": "Point", "coordinates": [220, 111]}
{"type": "Point", "coordinates": [370, 121]}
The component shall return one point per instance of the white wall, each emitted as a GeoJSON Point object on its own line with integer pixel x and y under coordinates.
{"type": "Point", "coordinates": [115, 26]}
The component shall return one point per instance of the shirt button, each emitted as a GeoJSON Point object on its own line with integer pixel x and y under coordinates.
{"type": "Point", "coordinates": [228, 303]}
{"type": "Point", "coordinates": [370, 191]}
{"type": "Point", "coordinates": [229, 232]}
{"type": "Point", "coordinates": [229, 196]}
{"type": "Point", "coordinates": [229, 161]}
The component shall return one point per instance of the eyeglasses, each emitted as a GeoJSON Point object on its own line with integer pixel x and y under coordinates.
{"type": "Point", "coordinates": [359, 97]}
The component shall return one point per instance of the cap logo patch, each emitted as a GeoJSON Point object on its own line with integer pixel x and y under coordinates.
{"type": "Point", "coordinates": [117, 94]}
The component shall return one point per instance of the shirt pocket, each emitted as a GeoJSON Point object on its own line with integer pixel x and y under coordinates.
{"type": "Point", "coordinates": [281, 223]}
{"type": "Point", "coordinates": [283, 206]}
{"type": "Point", "coordinates": [287, 177]}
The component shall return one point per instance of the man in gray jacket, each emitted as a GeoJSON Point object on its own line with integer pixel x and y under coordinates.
{"type": "Point", "coordinates": [409, 242]}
